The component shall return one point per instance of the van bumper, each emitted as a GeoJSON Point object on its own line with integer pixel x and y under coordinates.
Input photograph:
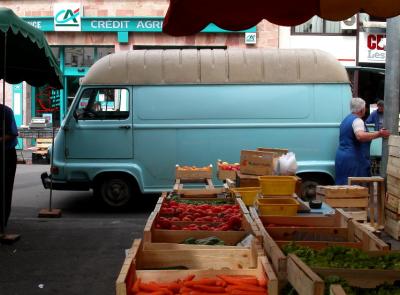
{"type": "Point", "coordinates": [63, 185]}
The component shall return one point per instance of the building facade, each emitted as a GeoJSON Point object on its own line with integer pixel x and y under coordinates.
{"type": "Point", "coordinates": [358, 43]}
{"type": "Point", "coordinates": [81, 32]}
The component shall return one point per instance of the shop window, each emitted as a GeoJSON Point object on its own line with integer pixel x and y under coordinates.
{"type": "Point", "coordinates": [85, 56]}
{"type": "Point", "coordinates": [317, 25]}
{"type": "Point", "coordinates": [103, 104]}
{"type": "Point", "coordinates": [47, 103]}
{"type": "Point", "coordinates": [79, 56]}
{"type": "Point", "coordinates": [103, 51]}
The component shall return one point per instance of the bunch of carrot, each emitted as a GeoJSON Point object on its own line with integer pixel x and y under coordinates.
{"type": "Point", "coordinates": [223, 284]}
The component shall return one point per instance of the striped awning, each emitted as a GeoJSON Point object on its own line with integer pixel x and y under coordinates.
{"type": "Point", "coordinates": [188, 17]}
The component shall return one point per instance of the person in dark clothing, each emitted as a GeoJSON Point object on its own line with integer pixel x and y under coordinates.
{"type": "Point", "coordinates": [9, 165]}
{"type": "Point", "coordinates": [376, 117]}
{"type": "Point", "coordinates": [352, 155]}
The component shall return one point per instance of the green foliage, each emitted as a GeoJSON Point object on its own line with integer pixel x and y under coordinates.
{"type": "Point", "coordinates": [343, 257]}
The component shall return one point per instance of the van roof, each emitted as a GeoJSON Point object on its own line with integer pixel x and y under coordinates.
{"type": "Point", "coordinates": [216, 66]}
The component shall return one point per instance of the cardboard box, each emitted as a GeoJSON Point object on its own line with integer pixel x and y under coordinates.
{"type": "Point", "coordinates": [279, 152]}
{"type": "Point", "coordinates": [257, 162]}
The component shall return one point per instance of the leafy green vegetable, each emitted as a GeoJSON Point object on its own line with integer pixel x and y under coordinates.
{"type": "Point", "coordinates": [205, 241]}
{"type": "Point", "coordinates": [343, 257]}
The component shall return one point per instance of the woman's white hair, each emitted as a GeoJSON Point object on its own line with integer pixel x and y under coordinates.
{"type": "Point", "coordinates": [357, 104]}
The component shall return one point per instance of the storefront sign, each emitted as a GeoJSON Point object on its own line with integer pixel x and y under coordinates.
{"type": "Point", "coordinates": [372, 48]}
{"type": "Point", "coordinates": [114, 24]}
{"type": "Point", "coordinates": [250, 38]}
{"type": "Point", "coordinates": [67, 17]}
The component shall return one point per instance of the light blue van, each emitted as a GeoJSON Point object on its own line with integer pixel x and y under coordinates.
{"type": "Point", "coordinates": [139, 113]}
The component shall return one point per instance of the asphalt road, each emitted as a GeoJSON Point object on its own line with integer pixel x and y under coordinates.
{"type": "Point", "coordinates": [80, 253]}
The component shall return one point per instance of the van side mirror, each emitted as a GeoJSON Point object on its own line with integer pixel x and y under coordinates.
{"type": "Point", "coordinates": [75, 115]}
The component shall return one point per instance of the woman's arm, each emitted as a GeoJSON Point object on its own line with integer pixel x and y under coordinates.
{"type": "Point", "coordinates": [364, 136]}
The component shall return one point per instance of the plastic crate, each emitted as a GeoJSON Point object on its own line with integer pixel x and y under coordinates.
{"type": "Point", "coordinates": [277, 206]}
{"type": "Point", "coordinates": [277, 185]}
{"type": "Point", "coordinates": [248, 194]}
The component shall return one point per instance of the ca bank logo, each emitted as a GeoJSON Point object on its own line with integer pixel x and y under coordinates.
{"type": "Point", "coordinates": [67, 17]}
{"type": "Point", "coordinates": [250, 38]}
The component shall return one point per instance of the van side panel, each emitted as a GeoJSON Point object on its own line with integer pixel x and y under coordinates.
{"type": "Point", "coordinates": [198, 124]}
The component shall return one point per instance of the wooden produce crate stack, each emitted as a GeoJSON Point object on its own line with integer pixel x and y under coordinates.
{"type": "Point", "coordinates": [354, 199]}
{"type": "Point", "coordinates": [392, 204]}
{"type": "Point", "coordinates": [253, 164]}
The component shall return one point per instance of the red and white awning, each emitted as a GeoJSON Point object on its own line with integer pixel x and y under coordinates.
{"type": "Point", "coordinates": [188, 17]}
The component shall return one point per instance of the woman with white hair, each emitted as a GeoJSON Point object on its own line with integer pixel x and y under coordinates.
{"type": "Point", "coordinates": [352, 155]}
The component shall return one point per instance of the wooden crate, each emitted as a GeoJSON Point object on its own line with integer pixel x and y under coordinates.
{"type": "Point", "coordinates": [246, 180]}
{"type": "Point", "coordinates": [202, 262]}
{"type": "Point", "coordinates": [314, 231]}
{"type": "Point", "coordinates": [153, 235]}
{"type": "Point", "coordinates": [392, 203]}
{"type": "Point", "coordinates": [393, 185]}
{"type": "Point", "coordinates": [392, 228]}
{"type": "Point", "coordinates": [257, 162]}
{"type": "Point", "coordinates": [346, 196]}
{"type": "Point", "coordinates": [225, 174]}
{"type": "Point", "coordinates": [302, 278]}
{"type": "Point", "coordinates": [335, 289]}
{"type": "Point", "coordinates": [193, 172]}
{"type": "Point", "coordinates": [309, 280]}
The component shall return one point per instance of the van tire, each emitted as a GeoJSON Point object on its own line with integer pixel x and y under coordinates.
{"type": "Point", "coordinates": [309, 183]}
{"type": "Point", "coordinates": [115, 191]}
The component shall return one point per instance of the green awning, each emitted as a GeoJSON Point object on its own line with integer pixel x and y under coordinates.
{"type": "Point", "coordinates": [366, 69]}
{"type": "Point", "coordinates": [25, 53]}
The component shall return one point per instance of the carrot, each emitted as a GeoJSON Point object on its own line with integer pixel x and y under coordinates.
{"type": "Point", "coordinates": [240, 292]}
{"type": "Point", "coordinates": [186, 290]}
{"type": "Point", "coordinates": [245, 287]}
{"type": "Point", "coordinates": [173, 286]}
{"type": "Point", "coordinates": [204, 281]}
{"type": "Point", "coordinates": [154, 287]}
{"type": "Point", "coordinates": [263, 282]}
{"type": "Point", "coordinates": [239, 280]}
{"type": "Point", "coordinates": [209, 289]}
{"type": "Point", "coordinates": [205, 293]}
{"type": "Point", "coordinates": [150, 293]}
{"type": "Point", "coordinates": [135, 287]}
{"type": "Point", "coordinates": [189, 278]}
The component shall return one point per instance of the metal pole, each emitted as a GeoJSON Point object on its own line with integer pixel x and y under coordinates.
{"type": "Point", "coordinates": [392, 69]}
{"type": "Point", "coordinates": [51, 163]}
{"type": "Point", "coordinates": [3, 144]}
{"type": "Point", "coordinates": [356, 78]}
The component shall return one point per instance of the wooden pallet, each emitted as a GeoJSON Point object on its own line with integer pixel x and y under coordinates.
{"type": "Point", "coordinates": [200, 261]}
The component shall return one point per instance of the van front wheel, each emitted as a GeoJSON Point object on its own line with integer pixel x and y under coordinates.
{"type": "Point", "coordinates": [115, 191]}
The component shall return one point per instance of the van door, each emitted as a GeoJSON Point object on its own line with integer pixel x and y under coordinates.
{"type": "Point", "coordinates": [101, 127]}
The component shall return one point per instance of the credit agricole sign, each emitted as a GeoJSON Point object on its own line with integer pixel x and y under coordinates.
{"type": "Point", "coordinates": [69, 17]}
